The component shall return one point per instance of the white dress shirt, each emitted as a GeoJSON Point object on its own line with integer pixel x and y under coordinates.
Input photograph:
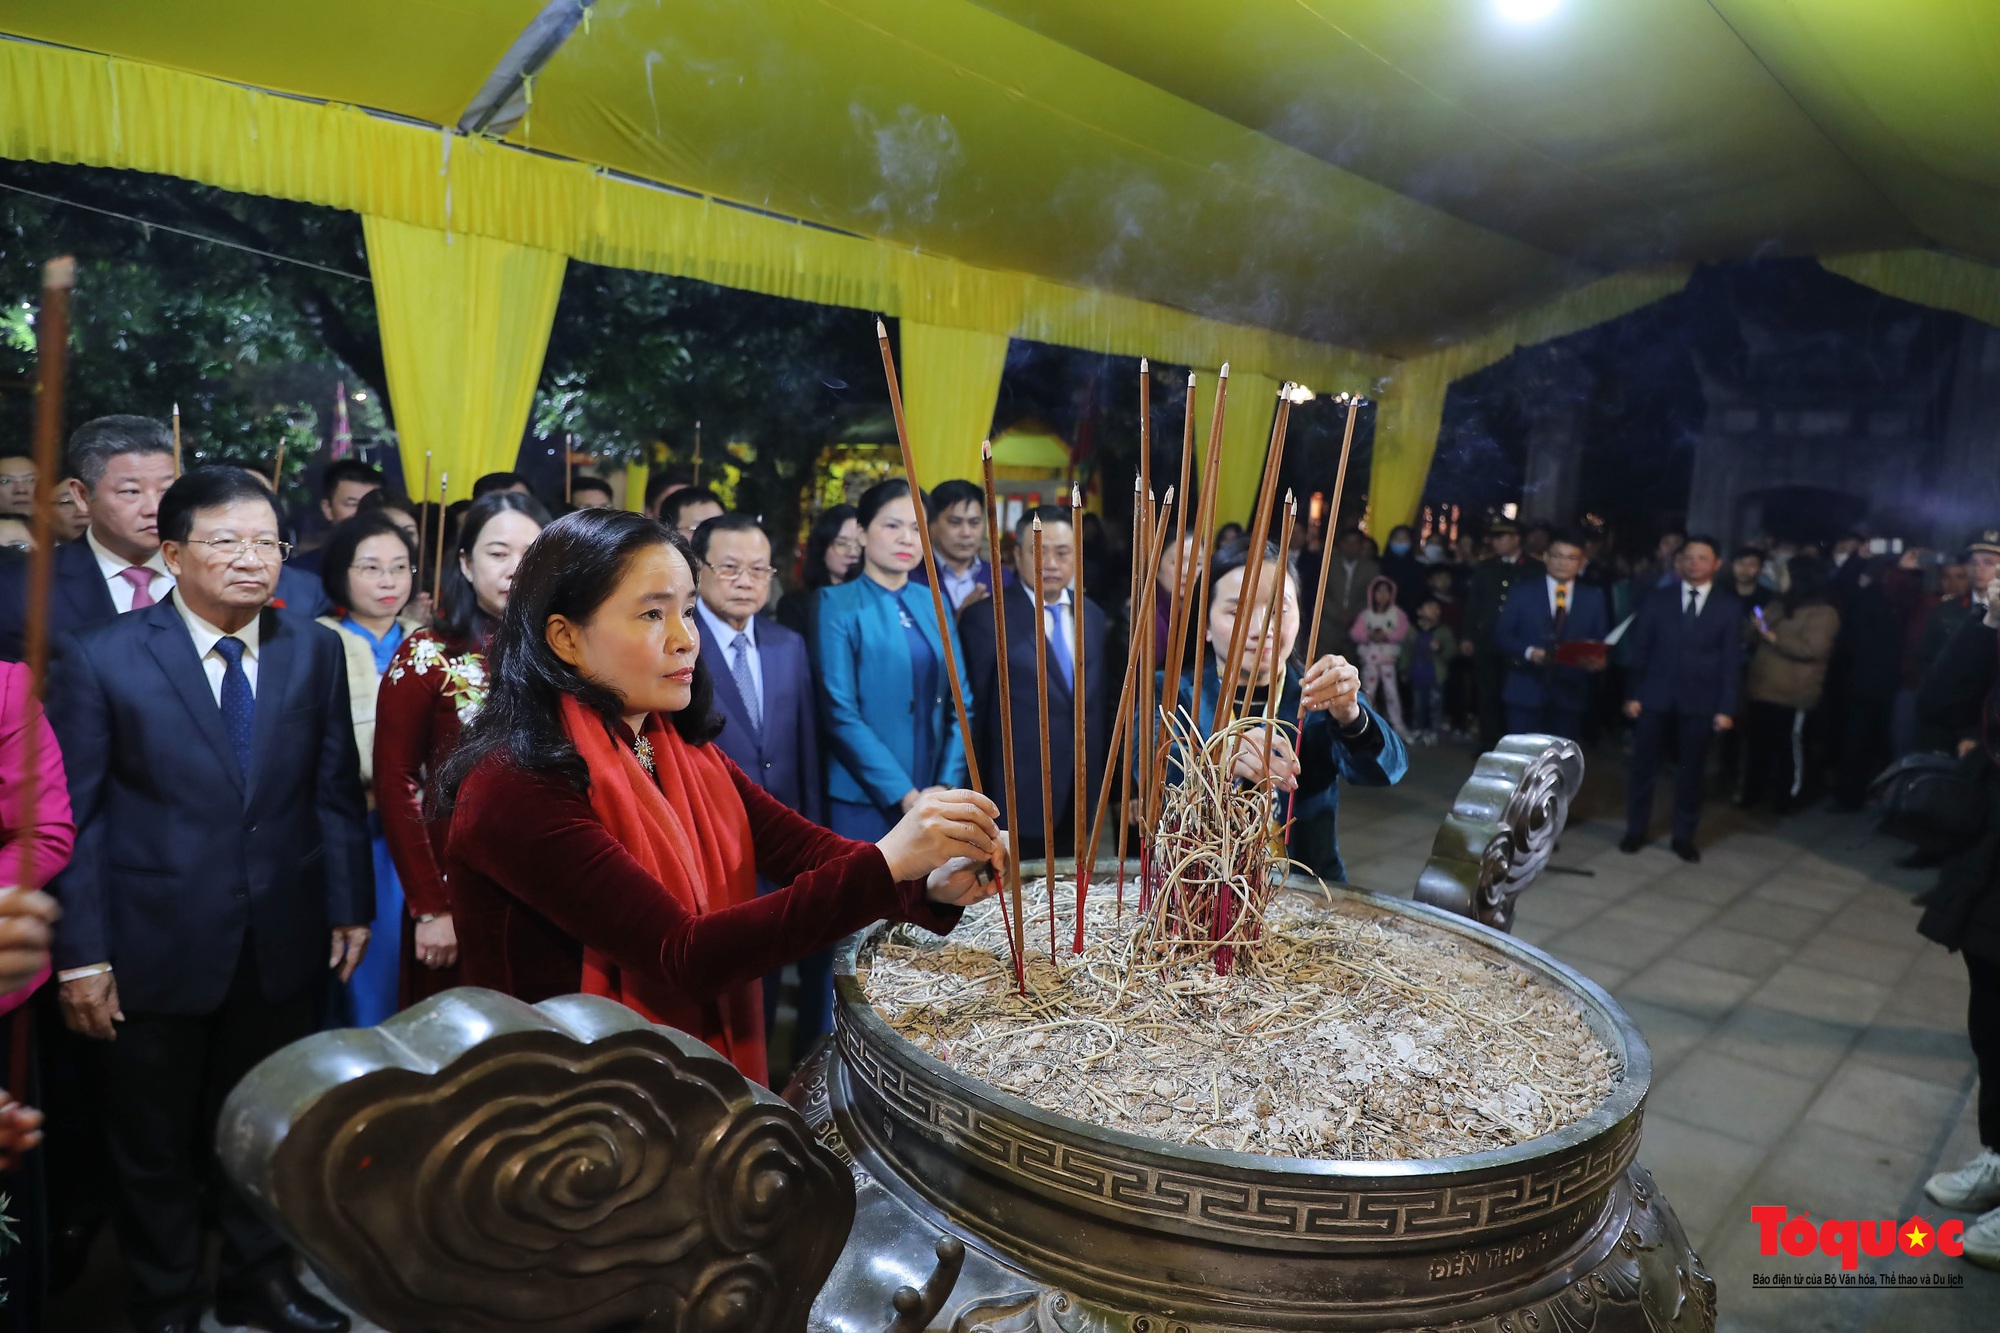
{"type": "Point", "coordinates": [1569, 595]}
{"type": "Point", "coordinates": [1062, 625]}
{"type": "Point", "coordinates": [956, 586]}
{"type": "Point", "coordinates": [114, 568]}
{"type": "Point", "coordinates": [1700, 596]}
{"type": "Point", "coordinates": [726, 635]}
{"type": "Point", "coordinates": [213, 664]}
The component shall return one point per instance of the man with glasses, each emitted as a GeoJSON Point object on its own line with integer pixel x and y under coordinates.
{"type": "Point", "coordinates": [222, 869]}
{"type": "Point", "coordinates": [764, 686]}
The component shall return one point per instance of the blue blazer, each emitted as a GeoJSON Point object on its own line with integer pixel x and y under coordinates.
{"type": "Point", "coordinates": [867, 693]}
{"type": "Point", "coordinates": [1697, 669]}
{"type": "Point", "coordinates": [783, 758]}
{"type": "Point", "coordinates": [178, 857]}
{"type": "Point", "coordinates": [1527, 621]}
{"type": "Point", "coordinates": [1374, 757]}
{"type": "Point", "coordinates": [80, 598]}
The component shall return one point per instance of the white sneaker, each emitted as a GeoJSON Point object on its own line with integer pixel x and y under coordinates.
{"type": "Point", "coordinates": [1982, 1240]}
{"type": "Point", "coordinates": [1974, 1187]}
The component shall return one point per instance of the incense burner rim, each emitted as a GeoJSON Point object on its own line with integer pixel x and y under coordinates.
{"type": "Point", "coordinates": [1610, 1023]}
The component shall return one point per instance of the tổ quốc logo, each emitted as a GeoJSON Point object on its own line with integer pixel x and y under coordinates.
{"type": "Point", "coordinates": [1783, 1232]}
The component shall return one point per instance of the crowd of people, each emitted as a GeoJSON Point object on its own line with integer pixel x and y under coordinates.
{"type": "Point", "coordinates": [278, 790]}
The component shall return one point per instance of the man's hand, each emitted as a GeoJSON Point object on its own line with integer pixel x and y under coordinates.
{"type": "Point", "coordinates": [1538, 655]}
{"type": "Point", "coordinates": [437, 941]}
{"type": "Point", "coordinates": [1333, 685]}
{"type": "Point", "coordinates": [1248, 761]}
{"type": "Point", "coordinates": [25, 918]}
{"type": "Point", "coordinates": [1724, 722]}
{"type": "Point", "coordinates": [1968, 745]}
{"type": "Point", "coordinates": [1465, 647]}
{"type": "Point", "coordinates": [1993, 604]}
{"type": "Point", "coordinates": [942, 825]}
{"type": "Point", "coordinates": [20, 1131]}
{"type": "Point", "coordinates": [980, 592]}
{"type": "Point", "coordinates": [1631, 708]}
{"type": "Point", "coordinates": [957, 882]}
{"type": "Point", "coordinates": [349, 943]}
{"type": "Point", "coordinates": [90, 1006]}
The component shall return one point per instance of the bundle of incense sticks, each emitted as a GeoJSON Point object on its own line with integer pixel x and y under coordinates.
{"type": "Point", "coordinates": [1011, 908]}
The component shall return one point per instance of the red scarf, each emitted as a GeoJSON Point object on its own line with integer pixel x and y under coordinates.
{"type": "Point", "coordinates": [689, 830]}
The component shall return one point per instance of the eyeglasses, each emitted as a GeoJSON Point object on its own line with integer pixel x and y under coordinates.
{"type": "Point", "coordinates": [372, 571]}
{"type": "Point", "coordinates": [845, 545]}
{"type": "Point", "coordinates": [755, 573]}
{"type": "Point", "coordinates": [266, 550]}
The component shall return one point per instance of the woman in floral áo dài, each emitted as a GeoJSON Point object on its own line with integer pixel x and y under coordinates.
{"type": "Point", "coordinates": [433, 688]}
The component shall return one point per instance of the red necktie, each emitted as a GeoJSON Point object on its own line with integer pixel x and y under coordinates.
{"type": "Point", "coordinates": [141, 579]}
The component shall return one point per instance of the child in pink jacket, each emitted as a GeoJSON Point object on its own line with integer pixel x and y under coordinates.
{"type": "Point", "coordinates": [1379, 632]}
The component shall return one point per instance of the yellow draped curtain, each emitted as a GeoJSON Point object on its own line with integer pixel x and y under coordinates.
{"type": "Point", "coordinates": [951, 380]}
{"type": "Point", "coordinates": [1246, 439]}
{"type": "Point", "coordinates": [465, 320]}
{"type": "Point", "coordinates": [1411, 403]}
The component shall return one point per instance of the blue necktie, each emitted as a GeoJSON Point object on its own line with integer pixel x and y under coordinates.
{"type": "Point", "coordinates": [1059, 645]}
{"type": "Point", "coordinates": [239, 704]}
{"type": "Point", "coordinates": [746, 684]}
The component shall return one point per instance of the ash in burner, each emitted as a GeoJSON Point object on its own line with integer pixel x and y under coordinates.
{"type": "Point", "coordinates": [1358, 1034]}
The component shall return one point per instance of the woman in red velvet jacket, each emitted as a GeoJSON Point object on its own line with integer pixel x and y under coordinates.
{"type": "Point", "coordinates": [434, 686]}
{"type": "Point", "coordinates": [599, 843]}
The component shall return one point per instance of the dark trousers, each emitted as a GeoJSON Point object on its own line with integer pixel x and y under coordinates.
{"type": "Point", "coordinates": [165, 1080]}
{"type": "Point", "coordinates": [1654, 730]}
{"type": "Point", "coordinates": [1982, 1025]}
{"type": "Point", "coordinates": [1548, 719]}
{"type": "Point", "coordinates": [1774, 738]}
{"type": "Point", "coordinates": [1490, 678]}
{"type": "Point", "coordinates": [1865, 747]}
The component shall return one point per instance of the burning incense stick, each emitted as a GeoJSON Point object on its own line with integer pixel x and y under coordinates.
{"type": "Point", "coordinates": [1274, 623]}
{"type": "Point", "coordinates": [1253, 566]}
{"type": "Point", "coordinates": [568, 463]}
{"type": "Point", "coordinates": [1016, 930]}
{"type": "Point", "coordinates": [1327, 534]}
{"type": "Point", "coordinates": [1177, 604]}
{"type": "Point", "coordinates": [424, 524]}
{"type": "Point", "coordinates": [51, 358]}
{"type": "Point", "coordinates": [437, 568]}
{"type": "Point", "coordinates": [697, 455]}
{"type": "Point", "coordinates": [1125, 697]}
{"type": "Point", "coordinates": [1079, 747]}
{"type": "Point", "coordinates": [1042, 705]}
{"type": "Point", "coordinates": [930, 557]}
{"type": "Point", "coordinates": [1142, 505]}
{"type": "Point", "coordinates": [177, 440]}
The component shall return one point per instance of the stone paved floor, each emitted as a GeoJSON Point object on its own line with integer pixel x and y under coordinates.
{"type": "Point", "coordinates": [1808, 1045]}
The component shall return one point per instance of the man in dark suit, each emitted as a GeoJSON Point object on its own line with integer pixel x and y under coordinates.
{"type": "Point", "coordinates": [764, 685]}
{"type": "Point", "coordinates": [1540, 695]}
{"type": "Point", "coordinates": [1056, 578]}
{"type": "Point", "coordinates": [123, 464]}
{"type": "Point", "coordinates": [1492, 580]}
{"type": "Point", "coordinates": [1687, 653]}
{"type": "Point", "coordinates": [222, 845]}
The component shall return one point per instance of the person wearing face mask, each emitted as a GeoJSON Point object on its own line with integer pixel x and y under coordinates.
{"type": "Point", "coordinates": [1402, 566]}
{"type": "Point", "coordinates": [1342, 738]}
{"type": "Point", "coordinates": [885, 702]}
{"type": "Point", "coordinates": [433, 688]}
{"type": "Point", "coordinates": [601, 842]}
{"type": "Point", "coordinates": [367, 567]}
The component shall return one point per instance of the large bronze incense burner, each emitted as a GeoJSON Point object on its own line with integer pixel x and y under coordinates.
{"type": "Point", "coordinates": [1069, 1226]}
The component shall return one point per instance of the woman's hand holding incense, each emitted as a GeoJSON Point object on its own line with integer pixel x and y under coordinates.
{"type": "Point", "coordinates": [1333, 685]}
{"type": "Point", "coordinates": [958, 882]}
{"type": "Point", "coordinates": [1248, 762]}
{"type": "Point", "coordinates": [940, 826]}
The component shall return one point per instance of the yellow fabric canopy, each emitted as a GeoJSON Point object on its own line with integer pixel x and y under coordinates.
{"type": "Point", "coordinates": [1330, 193]}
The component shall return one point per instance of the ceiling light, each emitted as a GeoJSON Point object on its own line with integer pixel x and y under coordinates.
{"type": "Point", "coordinates": [1526, 11]}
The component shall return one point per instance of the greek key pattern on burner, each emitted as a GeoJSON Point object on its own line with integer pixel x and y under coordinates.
{"type": "Point", "coordinates": [1225, 1203]}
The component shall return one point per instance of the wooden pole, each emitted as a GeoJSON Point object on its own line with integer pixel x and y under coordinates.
{"type": "Point", "coordinates": [437, 569]}
{"type": "Point", "coordinates": [1125, 695]}
{"type": "Point", "coordinates": [177, 440]}
{"type": "Point", "coordinates": [51, 360]}
{"type": "Point", "coordinates": [1325, 577]}
{"type": "Point", "coordinates": [1079, 684]}
{"type": "Point", "coordinates": [1016, 928]}
{"type": "Point", "coordinates": [930, 557]}
{"type": "Point", "coordinates": [1042, 704]}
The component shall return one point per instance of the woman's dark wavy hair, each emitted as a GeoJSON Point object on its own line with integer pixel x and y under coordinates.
{"type": "Point", "coordinates": [570, 570]}
{"type": "Point", "coordinates": [459, 603]}
{"type": "Point", "coordinates": [825, 530]}
{"type": "Point", "coordinates": [1227, 560]}
{"type": "Point", "coordinates": [1807, 583]}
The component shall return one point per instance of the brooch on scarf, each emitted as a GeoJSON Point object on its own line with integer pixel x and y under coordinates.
{"type": "Point", "coordinates": [642, 750]}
